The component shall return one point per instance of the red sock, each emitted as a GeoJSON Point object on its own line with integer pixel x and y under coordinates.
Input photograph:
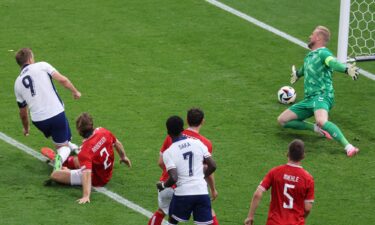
{"type": "Point", "coordinates": [215, 220]}
{"type": "Point", "coordinates": [70, 163]}
{"type": "Point", "coordinates": [156, 219]}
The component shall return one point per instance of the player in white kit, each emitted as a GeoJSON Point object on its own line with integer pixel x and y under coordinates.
{"type": "Point", "coordinates": [184, 162]}
{"type": "Point", "coordinates": [34, 90]}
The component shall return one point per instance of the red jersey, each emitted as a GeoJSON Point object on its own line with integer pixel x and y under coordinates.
{"type": "Point", "coordinates": [187, 133]}
{"type": "Point", "coordinates": [97, 154]}
{"type": "Point", "coordinates": [292, 186]}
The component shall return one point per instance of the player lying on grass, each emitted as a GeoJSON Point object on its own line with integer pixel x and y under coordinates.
{"type": "Point", "coordinates": [184, 160]}
{"type": "Point", "coordinates": [195, 120]}
{"type": "Point", "coordinates": [96, 158]}
{"type": "Point", "coordinates": [35, 91]}
{"type": "Point", "coordinates": [317, 69]}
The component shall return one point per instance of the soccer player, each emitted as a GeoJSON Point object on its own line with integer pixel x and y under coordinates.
{"type": "Point", "coordinates": [317, 69]}
{"type": "Point", "coordinates": [195, 120]}
{"type": "Point", "coordinates": [35, 91]}
{"type": "Point", "coordinates": [96, 158]}
{"type": "Point", "coordinates": [184, 162]}
{"type": "Point", "coordinates": [292, 191]}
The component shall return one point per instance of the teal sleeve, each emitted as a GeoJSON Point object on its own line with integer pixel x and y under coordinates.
{"type": "Point", "coordinates": [301, 72]}
{"type": "Point", "coordinates": [330, 61]}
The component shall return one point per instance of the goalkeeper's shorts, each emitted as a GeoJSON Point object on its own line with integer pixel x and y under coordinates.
{"type": "Point", "coordinates": [306, 108]}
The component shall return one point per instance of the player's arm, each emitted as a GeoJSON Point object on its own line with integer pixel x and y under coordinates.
{"type": "Point", "coordinates": [308, 207]}
{"type": "Point", "coordinates": [86, 187]}
{"type": "Point", "coordinates": [121, 152]}
{"type": "Point", "coordinates": [211, 166]}
{"type": "Point", "coordinates": [25, 120]}
{"type": "Point", "coordinates": [64, 81]}
{"type": "Point", "coordinates": [257, 197]}
{"type": "Point", "coordinates": [160, 162]}
{"type": "Point", "coordinates": [349, 69]}
{"type": "Point", "coordinates": [211, 183]}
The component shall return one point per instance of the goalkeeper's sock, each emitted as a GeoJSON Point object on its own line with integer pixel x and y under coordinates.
{"type": "Point", "coordinates": [156, 219]}
{"type": "Point", "coordinates": [299, 125]}
{"type": "Point", "coordinates": [335, 132]}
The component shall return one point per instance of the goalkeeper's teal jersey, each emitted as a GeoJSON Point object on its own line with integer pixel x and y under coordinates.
{"type": "Point", "coordinates": [318, 76]}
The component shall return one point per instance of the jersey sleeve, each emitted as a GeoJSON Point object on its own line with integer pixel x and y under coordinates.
{"type": "Point", "coordinates": [301, 71]}
{"type": "Point", "coordinates": [48, 68]}
{"type": "Point", "coordinates": [167, 143]}
{"type": "Point", "coordinates": [85, 159]}
{"type": "Point", "coordinates": [205, 151]}
{"type": "Point", "coordinates": [168, 161]}
{"type": "Point", "coordinates": [266, 183]}
{"type": "Point", "coordinates": [20, 101]}
{"type": "Point", "coordinates": [330, 61]}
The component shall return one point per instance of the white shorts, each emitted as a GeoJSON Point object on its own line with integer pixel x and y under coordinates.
{"type": "Point", "coordinates": [164, 199]}
{"type": "Point", "coordinates": [76, 177]}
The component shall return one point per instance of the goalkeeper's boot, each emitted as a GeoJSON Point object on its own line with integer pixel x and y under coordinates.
{"type": "Point", "coordinates": [325, 134]}
{"type": "Point", "coordinates": [58, 163]}
{"type": "Point", "coordinates": [49, 153]}
{"type": "Point", "coordinates": [351, 151]}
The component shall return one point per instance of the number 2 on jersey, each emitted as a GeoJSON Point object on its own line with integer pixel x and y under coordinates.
{"type": "Point", "coordinates": [288, 205]}
{"type": "Point", "coordinates": [28, 83]}
{"type": "Point", "coordinates": [106, 164]}
{"type": "Point", "coordinates": [189, 156]}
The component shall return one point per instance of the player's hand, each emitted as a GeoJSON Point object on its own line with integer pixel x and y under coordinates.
{"type": "Point", "coordinates": [127, 161]}
{"type": "Point", "coordinates": [26, 131]}
{"type": "Point", "coordinates": [249, 221]}
{"type": "Point", "coordinates": [76, 95]}
{"type": "Point", "coordinates": [214, 194]}
{"type": "Point", "coordinates": [83, 200]}
{"type": "Point", "coordinates": [160, 186]}
{"type": "Point", "coordinates": [352, 71]}
{"type": "Point", "coordinates": [293, 75]}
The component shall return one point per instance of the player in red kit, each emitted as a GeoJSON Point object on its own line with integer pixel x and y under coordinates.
{"type": "Point", "coordinates": [96, 158]}
{"type": "Point", "coordinates": [292, 191]}
{"type": "Point", "coordinates": [195, 119]}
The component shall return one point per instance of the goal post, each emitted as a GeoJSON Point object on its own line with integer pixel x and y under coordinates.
{"type": "Point", "coordinates": [356, 41]}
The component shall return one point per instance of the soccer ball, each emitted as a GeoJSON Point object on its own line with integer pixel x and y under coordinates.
{"type": "Point", "coordinates": [286, 95]}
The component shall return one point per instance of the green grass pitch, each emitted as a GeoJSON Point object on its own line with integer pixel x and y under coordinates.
{"type": "Point", "coordinates": [137, 62]}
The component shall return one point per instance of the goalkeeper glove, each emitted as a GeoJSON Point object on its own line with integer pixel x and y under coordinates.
{"type": "Point", "coordinates": [293, 76]}
{"type": "Point", "coordinates": [352, 71]}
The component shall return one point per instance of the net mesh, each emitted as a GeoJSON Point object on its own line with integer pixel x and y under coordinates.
{"type": "Point", "coordinates": [362, 28]}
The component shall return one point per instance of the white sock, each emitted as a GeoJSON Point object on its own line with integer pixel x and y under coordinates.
{"type": "Point", "coordinates": [73, 147]}
{"type": "Point", "coordinates": [64, 153]}
{"type": "Point", "coordinates": [348, 147]}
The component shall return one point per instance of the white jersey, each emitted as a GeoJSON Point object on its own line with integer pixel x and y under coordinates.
{"type": "Point", "coordinates": [34, 88]}
{"type": "Point", "coordinates": [187, 156]}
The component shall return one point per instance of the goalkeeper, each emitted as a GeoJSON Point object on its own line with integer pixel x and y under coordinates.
{"type": "Point", "coordinates": [317, 68]}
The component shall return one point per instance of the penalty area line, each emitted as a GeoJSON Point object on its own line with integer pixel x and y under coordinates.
{"type": "Point", "coordinates": [103, 190]}
{"type": "Point", "coordinates": [272, 29]}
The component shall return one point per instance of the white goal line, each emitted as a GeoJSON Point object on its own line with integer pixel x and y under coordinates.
{"type": "Point", "coordinates": [272, 29]}
{"type": "Point", "coordinates": [103, 190]}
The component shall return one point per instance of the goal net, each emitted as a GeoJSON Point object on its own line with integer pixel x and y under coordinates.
{"type": "Point", "coordinates": [357, 30]}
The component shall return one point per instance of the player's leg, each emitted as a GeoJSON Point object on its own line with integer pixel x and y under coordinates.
{"type": "Point", "coordinates": [66, 176]}
{"type": "Point", "coordinates": [180, 209]}
{"type": "Point", "coordinates": [321, 117]}
{"type": "Point", "coordinates": [214, 218]}
{"type": "Point", "coordinates": [164, 200]}
{"type": "Point", "coordinates": [61, 136]}
{"type": "Point", "coordinates": [294, 118]}
{"type": "Point", "coordinates": [202, 211]}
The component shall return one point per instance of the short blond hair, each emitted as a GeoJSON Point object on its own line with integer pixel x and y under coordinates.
{"type": "Point", "coordinates": [324, 33]}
